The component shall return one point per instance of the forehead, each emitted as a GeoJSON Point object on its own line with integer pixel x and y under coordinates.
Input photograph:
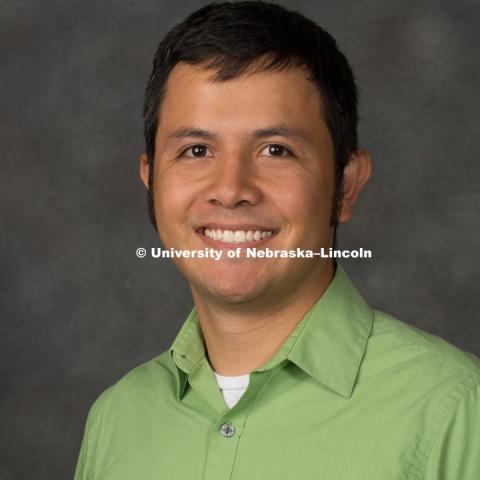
{"type": "Point", "coordinates": [261, 97]}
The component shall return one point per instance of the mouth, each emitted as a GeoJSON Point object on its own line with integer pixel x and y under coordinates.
{"type": "Point", "coordinates": [237, 235]}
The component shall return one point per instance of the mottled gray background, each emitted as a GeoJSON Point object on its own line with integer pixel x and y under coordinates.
{"type": "Point", "coordinates": [79, 309]}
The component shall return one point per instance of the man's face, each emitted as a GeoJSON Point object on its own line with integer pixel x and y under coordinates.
{"type": "Point", "coordinates": [252, 154]}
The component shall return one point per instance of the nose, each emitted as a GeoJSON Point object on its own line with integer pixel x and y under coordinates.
{"type": "Point", "coordinates": [233, 183]}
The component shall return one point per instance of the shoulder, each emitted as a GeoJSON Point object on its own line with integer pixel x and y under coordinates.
{"type": "Point", "coordinates": [434, 387]}
{"type": "Point", "coordinates": [146, 385]}
{"type": "Point", "coordinates": [417, 363]}
{"type": "Point", "coordinates": [408, 342]}
{"type": "Point", "coordinates": [124, 409]}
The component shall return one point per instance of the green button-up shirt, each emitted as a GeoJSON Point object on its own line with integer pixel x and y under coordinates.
{"type": "Point", "coordinates": [352, 394]}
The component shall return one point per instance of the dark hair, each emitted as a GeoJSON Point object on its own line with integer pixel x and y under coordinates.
{"type": "Point", "coordinates": [229, 38]}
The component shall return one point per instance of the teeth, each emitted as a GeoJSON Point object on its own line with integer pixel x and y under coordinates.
{"type": "Point", "coordinates": [228, 236]}
{"type": "Point", "coordinates": [238, 236]}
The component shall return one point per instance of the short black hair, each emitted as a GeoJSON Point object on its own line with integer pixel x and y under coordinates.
{"type": "Point", "coordinates": [229, 38]}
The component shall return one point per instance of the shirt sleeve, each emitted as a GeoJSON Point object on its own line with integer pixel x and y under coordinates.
{"type": "Point", "coordinates": [83, 469]}
{"type": "Point", "coordinates": [456, 451]}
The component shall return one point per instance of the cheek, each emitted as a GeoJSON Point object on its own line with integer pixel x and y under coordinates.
{"type": "Point", "coordinates": [172, 197]}
{"type": "Point", "coordinates": [305, 198]}
{"type": "Point", "coordinates": [309, 203]}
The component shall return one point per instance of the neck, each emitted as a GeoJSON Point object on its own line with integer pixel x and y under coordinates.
{"type": "Point", "coordinates": [242, 337]}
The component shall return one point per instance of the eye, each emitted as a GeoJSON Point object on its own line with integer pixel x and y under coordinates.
{"type": "Point", "coordinates": [276, 150]}
{"type": "Point", "coordinates": [196, 151]}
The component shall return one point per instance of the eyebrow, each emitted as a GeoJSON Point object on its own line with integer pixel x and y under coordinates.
{"type": "Point", "coordinates": [280, 130]}
{"type": "Point", "coordinates": [191, 132]}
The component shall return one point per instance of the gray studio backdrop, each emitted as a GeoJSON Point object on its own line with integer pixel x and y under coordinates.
{"type": "Point", "coordinates": [79, 309]}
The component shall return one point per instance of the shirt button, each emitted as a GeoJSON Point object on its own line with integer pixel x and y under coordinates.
{"type": "Point", "coordinates": [227, 430]}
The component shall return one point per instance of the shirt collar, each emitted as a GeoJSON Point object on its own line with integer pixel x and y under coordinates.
{"type": "Point", "coordinates": [328, 343]}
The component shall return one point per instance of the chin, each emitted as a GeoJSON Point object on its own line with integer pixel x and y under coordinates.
{"type": "Point", "coordinates": [233, 290]}
{"type": "Point", "coordinates": [236, 297]}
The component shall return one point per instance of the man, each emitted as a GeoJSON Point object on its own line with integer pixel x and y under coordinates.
{"type": "Point", "coordinates": [281, 370]}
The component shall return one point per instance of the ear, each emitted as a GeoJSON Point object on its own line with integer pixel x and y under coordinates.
{"type": "Point", "coordinates": [355, 176]}
{"type": "Point", "coordinates": [144, 168]}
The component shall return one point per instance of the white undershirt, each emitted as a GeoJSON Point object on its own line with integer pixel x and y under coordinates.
{"type": "Point", "coordinates": [232, 387]}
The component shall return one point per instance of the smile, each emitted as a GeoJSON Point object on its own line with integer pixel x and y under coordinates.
{"type": "Point", "coordinates": [237, 236]}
